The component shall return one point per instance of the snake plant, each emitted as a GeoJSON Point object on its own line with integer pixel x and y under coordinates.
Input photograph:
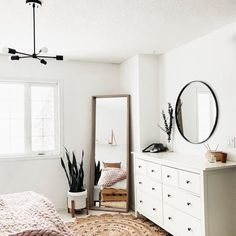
{"type": "Point", "coordinates": [74, 173]}
{"type": "Point", "coordinates": [97, 173]}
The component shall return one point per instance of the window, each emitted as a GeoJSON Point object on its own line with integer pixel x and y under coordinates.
{"type": "Point", "coordinates": [29, 118]}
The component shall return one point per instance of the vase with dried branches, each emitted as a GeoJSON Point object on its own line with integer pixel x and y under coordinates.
{"type": "Point", "coordinates": [168, 125]}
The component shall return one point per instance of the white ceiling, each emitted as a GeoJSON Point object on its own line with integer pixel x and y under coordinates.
{"type": "Point", "coordinates": [111, 30]}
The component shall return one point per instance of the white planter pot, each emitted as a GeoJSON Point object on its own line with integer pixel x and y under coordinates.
{"type": "Point", "coordinates": [79, 198]}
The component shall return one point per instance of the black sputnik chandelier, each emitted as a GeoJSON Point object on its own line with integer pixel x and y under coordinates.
{"type": "Point", "coordinates": [36, 55]}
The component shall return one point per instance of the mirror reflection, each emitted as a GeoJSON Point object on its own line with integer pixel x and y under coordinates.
{"type": "Point", "coordinates": [110, 187]}
{"type": "Point", "coordinates": [196, 112]}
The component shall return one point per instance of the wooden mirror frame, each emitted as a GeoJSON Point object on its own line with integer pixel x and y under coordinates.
{"type": "Point", "coordinates": [91, 182]}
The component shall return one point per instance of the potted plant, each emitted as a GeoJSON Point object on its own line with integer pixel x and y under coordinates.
{"type": "Point", "coordinates": [97, 175]}
{"type": "Point", "coordinates": [168, 126]}
{"type": "Point", "coordinates": [75, 177]}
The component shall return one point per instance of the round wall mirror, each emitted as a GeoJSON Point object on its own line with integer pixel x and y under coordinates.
{"type": "Point", "coordinates": [196, 112]}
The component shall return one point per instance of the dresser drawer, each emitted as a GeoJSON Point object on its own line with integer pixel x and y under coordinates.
{"type": "Point", "coordinates": [141, 202]}
{"type": "Point", "coordinates": [140, 166]}
{"type": "Point", "coordinates": [183, 201]}
{"type": "Point", "coordinates": [154, 171]}
{"type": "Point", "coordinates": [150, 207]}
{"type": "Point", "coordinates": [171, 219]}
{"type": "Point", "coordinates": [154, 210]}
{"type": "Point", "coordinates": [149, 186]}
{"type": "Point", "coordinates": [189, 181]}
{"type": "Point", "coordinates": [190, 226]}
{"type": "Point", "coordinates": [170, 175]}
{"type": "Point", "coordinates": [154, 189]}
{"type": "Point", "coordinates": [190, 204]}
{"type": "Point", "coordinates": [181, 223]}
{"type": "Point", "coordinates": [171, 196]}
{"type": "Point", "coordinates": [141, 182]}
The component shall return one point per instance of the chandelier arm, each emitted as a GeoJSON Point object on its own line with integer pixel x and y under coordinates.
{"type": "Point", "coordinates": [22, 53]}
{"type": "Point", "coordinates": [46, 57]}
{"type": "Point", "coordinates": [42, 61]}
{"type": "Point", "coordinates": [25, 56]}
{"type": "Point", "coordinates": [34, 28]}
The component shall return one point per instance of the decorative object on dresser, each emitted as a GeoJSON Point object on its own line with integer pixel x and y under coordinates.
{"type": "Point", "coordinates": [109, 189]}
{"type": "Point", "coordinates": [183, 193]}
{"type": "Point", "coordinates": [168, 126]}
{"type": "Point", "coordinates": [155, 147]}
{"type": "Point", "coordinates": [219, 156]}
{"type": "Point", "coordinates": [77, 195]}
{"type": "Point", "coordinates": [196, 112]}
{"type": "Point", "coordinates": [214, 155]}
{"type": "Point", "coordinates": [115, 224]}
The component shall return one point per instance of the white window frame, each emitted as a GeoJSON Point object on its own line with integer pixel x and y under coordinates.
{"type": "Point", "coordinates": [29, 154]}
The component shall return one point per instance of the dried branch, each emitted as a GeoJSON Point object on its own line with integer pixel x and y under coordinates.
{"type": "Point", "coordinates": [168, 127]}
{"type": "Point", "coordinates": [161, 128]}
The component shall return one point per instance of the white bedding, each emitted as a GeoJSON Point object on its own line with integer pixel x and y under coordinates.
{"type": "Point", "coordinates": [110, 176]}
{"type": "Point", "coordinates": [29, 214]}
{"type": "Point", "coordinates": [119, 185]}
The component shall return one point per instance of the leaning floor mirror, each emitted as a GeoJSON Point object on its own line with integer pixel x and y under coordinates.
{"type": "Point", "coordinates": [109, 177]}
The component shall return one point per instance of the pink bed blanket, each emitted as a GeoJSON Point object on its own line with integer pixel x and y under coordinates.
{"type": "Point", "coordinates": [29, 214]}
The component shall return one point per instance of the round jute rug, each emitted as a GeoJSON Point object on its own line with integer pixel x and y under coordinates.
{"type": "Point", "coordinates": [115, 225]}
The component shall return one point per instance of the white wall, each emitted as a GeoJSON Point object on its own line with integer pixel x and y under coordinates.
{"type": "Point", "coordinates": [148, 100]}
{"type": "Point", "coordinates": [139, 77]}
{"type": "Point", "coordinates": [211, 59]}
{"type": "Point", "coordinates": [129, 84]}
{"type": "Point", "coordinates": [79, 81]}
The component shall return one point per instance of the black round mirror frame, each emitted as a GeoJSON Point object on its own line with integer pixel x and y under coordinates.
{"type": "Point", "coordinates": [216, 103]}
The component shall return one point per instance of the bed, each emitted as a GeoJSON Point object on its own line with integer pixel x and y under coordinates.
{"type": "Point", "coordinates": [113, 185]}
{"type": "Point", "coordinates": [115, 193]}
{"type": "Point", "coordinates": [29, 214]}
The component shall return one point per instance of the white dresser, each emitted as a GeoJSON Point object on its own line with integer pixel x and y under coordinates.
{"type": "Point", "coordinates": [185, 195]}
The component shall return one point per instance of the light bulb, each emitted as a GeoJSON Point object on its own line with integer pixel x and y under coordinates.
{"type": "Point", "coordinates": [44, 50]}
{"type": "Point", "coordinates": [5, 50]}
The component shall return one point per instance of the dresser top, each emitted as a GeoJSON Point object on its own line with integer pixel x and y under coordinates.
{"type": "Point", "coordinates": [179, 160]}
